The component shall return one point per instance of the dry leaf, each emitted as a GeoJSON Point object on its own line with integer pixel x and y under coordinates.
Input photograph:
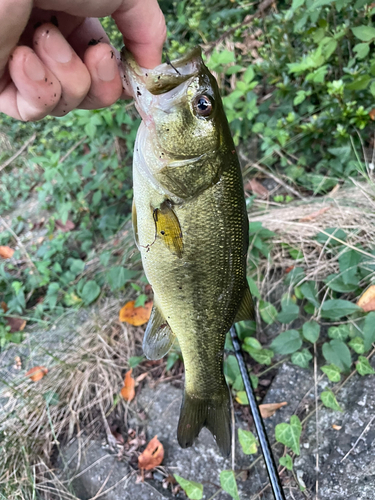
{"type": "Point", "coordinates": [37, 373]}
{"type": "Point", "coordinates": [152, 456]}
{"type": "Point", "coordinates": [267, 410]}
{"type": "Point", "coordinates": [128, 392]}
{"type": "Point", "coordinates": [136, 316]}
{"type": "Point", "coordinates": [372, 114]}
{"type": "Point", "coordinates": [314, 215]}
{"type": "Point", "coordinates": [65, 228]}
{"type": "Point", "coordinates": [16, 324]}
{"type": "Point", "coordinates": [141, 377]}
{"type": "Point", "coordinates": [4, 306]}
{"type": "Point", "coordinates": [257, 188]}
{"type": "Point", "coordinates": [367, 299]}
{"type": "Point", "coordinates": [6, 252]}
{"type": "Point", "coordinates": [336, 427]}
{"type": "Point", "coordinates": [288, 269]}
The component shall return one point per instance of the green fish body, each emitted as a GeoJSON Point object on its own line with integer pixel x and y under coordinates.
{"type": "Point", "coordinates": [191, 227]}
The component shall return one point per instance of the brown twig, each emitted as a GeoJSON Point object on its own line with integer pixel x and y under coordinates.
{"type": "Point", "coordinates": [18, 153]}
{"type": "Point", "coordinates": [70, 151]}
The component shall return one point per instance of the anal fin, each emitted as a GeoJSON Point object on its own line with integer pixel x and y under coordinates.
{"type": "Point", "coordinates": [246, 309]}
{"type": "Point", "coordinates": [158, 337]}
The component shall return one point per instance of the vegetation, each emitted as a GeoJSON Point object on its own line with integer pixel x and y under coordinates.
{"type": "Point", "coordinates": [298, 83]}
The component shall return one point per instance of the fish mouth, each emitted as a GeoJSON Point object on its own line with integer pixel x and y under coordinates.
{"type": "Point", "coordinates": [162, 86]}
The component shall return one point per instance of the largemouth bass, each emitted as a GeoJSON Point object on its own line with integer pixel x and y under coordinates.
{"type": "Point", "coordinates": [191, 227]}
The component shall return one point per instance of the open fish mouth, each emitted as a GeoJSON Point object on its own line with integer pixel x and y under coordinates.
{"type": "Point", "coordinates": [162, 86]}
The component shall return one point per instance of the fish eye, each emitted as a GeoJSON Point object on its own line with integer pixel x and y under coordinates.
{"type": "Point", "coordinates": [203, 105]}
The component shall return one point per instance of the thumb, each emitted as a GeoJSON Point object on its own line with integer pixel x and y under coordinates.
{"type": "Point", "coordinates": [14, 16]}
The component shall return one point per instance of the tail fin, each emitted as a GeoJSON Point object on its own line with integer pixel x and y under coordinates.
{"type": "Point", "coordinates": [213, 413]}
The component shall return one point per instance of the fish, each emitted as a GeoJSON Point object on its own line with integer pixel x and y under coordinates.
{"type": "Point", "coordinates": [191, 227]}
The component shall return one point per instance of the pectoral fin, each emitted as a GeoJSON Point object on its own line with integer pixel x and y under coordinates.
{"type": "Point", "coordinates": [168, 228]}
{"type": "Point", "coordinates": [158, 337]}
{"type": "Point", "coordinates": [246, 309]}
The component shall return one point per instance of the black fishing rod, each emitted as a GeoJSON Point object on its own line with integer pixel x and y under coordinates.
{"type": "Point", "coordinates": [265, 446]}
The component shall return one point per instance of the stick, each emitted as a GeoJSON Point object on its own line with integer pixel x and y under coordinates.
{"type": "Point", "coordinates": [20, 151]}
{"type": "Point", "coordinates": [265, 446]}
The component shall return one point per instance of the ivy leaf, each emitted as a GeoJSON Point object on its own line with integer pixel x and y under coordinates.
{"type": "Point", "coordinates": [267, 311]}
{"type": "Point", "coordinates": [286, 462]}
{"type": "Point", "coordinates": [301, 358]}
{"type": "Point", "coordinates": [329, 400]}
{"type": "Point", "coordinates": [310, 331]}
{"type": "Point", "coordinates": [247, 441]}
{"type": "Point", "coordinates": [263, 356]}
{"type": "Point", "coordinates": [90, 292]}
{"type": "Point", "coordinates": [287, 342]}
{"type": "Point", "coordinates": [337, 308]}
{"type": "Point", "coordinates": [228, 483]}
{"type": "Point", "coordinates": [357, 345]}
{"type": "Point", "coordinates": [289, 434]}
{"type": "Point", "coordinates": [340, 332]}
{"type": "Point", "coordinates": [364, 33]}
{"type": "Point", "coordinates": [332, 371]}
{"type": "Point", "coordinates": [337, 352]}
{"type": "Point", "coordinates": [193, 490]}
{"type": "Point", "coordinates": [363, 366]}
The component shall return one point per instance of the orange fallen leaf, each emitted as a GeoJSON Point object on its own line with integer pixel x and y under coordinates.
{"type": "Point", "coordinates": [4, 306]}
{"type": "Point", "coordinates": [136, 316]}
{"type": "Point", "coordinates": [128, 391]}
{"type": "Point", "coordinates": [288, 269]}
{"type": "Point", "coordinates": [314, 215]}
{"type": "Point", "coordinates": [267, 410]}
{"type": "Point", "coordinates": [367, 299]}
{"type": "Point", "coordinates": [372, 114]}
{"type": "Point", "coordinates": [6, 252]}
{"type": "Point", "coordinates": [16, 324]}
{"type": "Point", "coordinates": [336, 427]}
{"type": "Point", "coordinates": [37, 373]}
{"type": "Point", "coordinates": [257, 188]}
{"type": "Point", "coordinates": [152, 456]}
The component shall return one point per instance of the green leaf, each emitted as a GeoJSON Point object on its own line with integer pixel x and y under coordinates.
{"type": "Point", "coordinates": [254, 343]}
{"type": "Point", "coordinates": [301, 358]}
{"type": "Point", "coordinates": [228, 483]}
{"type": "Point", "coordinates": [267, 312]}
{"type": "Point", "coordinates": [360, 83]}
{"type": "Point", "coordinates": [289, 313]}
{"type": "Point", "coordinates": [135, 361]}
{"type": "Point", "coordinates": [363, 366]}
{"type": "Point", "coordinates": [329, 400]}
{"type": "Point", "coordinates": [334, 231]}
{"type": "Point", "coordinates": [372, 88]}
{"type": "Point", "coordinates": [241, 397]}
{"type": "Point", "coordinates": [332, 371]}
{"type": "Point", "coordinates": [369, 331]}
{"type": "Point", "coordinates": [263, 356]}
{"type": "Point", "coordinates": [52, 398]}
{"type": "Point", "coordinates": [309, 292]}
{"type": "Point", "coordinates": [247, 441]}
{"type": "Point", "coordinates": [286, 462]}
{"type": "Point", "coordinates": [171, 360]}
{"type": "Point", "coordinates": [348, 262]}
{"type": "Point", "coordinates": [337, 352]}
{"type": "Point", "coordinates": [364, 33]}
{"type": "Point", "coordinates": [289, 434]}
{"type": "Point", "coordinates": [340, 332]}
{"type": "Point", "coordinates": [337, 308]}
{"type": "Point", "coordinates": [193, 490]}
{"type": "Point", "coordinates": [90, 292]}
{"type": "Point", "coordinates": [253, 288]}
{"type": "Point", "coordinates": [311, 331]}
{"type": "Point", "coordinates": [231, 369]}
{"type": "Point", "coordinates": [336, 283]}
{"type": "Point", "coordinates": [357, 345]}
{"type": "Point", "coordinates": [362, 50]}
{"type": "Point", "coordinates": [287, 342]}
{"type": "Point", "coordinates": [297, 3]}
{"type": "Point", "coordinates": [141, 300]}
{"type": "Point", "coordinates": [118, 276]}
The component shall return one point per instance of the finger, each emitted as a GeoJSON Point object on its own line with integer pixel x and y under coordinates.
{"type": "Point", "coordinates": [57, 55]}
{"type": "Point", "coordinates": [142, 25]}
{"type": "Point", "coordinates": [83, 8]}
{"type": "Point", "coordinates": [14, 16]}
{"type": "Point", "coordinates": [106, 86]}
{"type": "Point", "coordinates": [89, 32]}
{"type": "Point", "coordinates": [34, 90]}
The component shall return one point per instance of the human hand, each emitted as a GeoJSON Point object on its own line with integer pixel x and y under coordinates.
{"type": "Point", "coordinates": [47, 65]}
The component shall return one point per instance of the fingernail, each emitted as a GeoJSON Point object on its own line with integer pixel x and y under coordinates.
{"type": "Point", "coordinates": [33, 68]}
{"type": "Point", "coordinates": [107, 67]}
{"type": "Point", "coordinates": [57, 47]}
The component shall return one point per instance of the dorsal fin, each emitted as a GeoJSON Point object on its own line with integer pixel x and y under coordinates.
{"type": "Point", "coordinates": [246, 309]}
{"type": "Point", "coordinates": [158, 337]}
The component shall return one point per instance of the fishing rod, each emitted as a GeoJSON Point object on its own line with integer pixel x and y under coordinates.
{"type": "Point", "coordinates": [265, 446]}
